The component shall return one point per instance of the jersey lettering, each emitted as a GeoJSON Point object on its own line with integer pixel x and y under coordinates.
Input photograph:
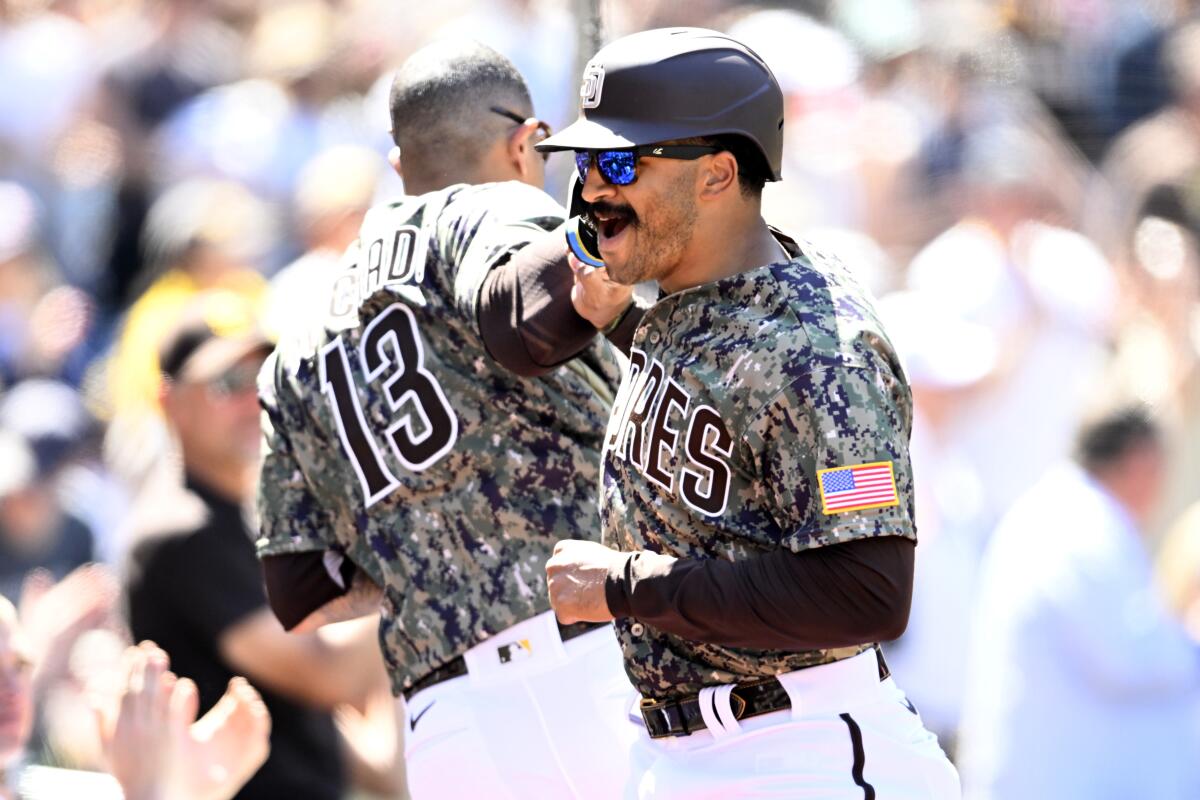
{"type": "Point", "coordinates": [712, 499]}
{"type": "Point", "coordinates": [663, 437]}
{"type": "Point", "coordinates": [401, 255]}
{"type": "Point", "coordinates": [373, 474]}
{"type": "Point", "coordinates": [635, 427]}
{"type": "Point", "coordinates": [426, 427]}
{"type": "Point", "coordinates": [650, 399]}
{"type": "Point", "coordinates": [637, 362]}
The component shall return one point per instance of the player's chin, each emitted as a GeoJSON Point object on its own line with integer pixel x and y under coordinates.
{"type": "Point", "coordinates": [624, 273]}
{"type": "Point", "coordinates": [624, 267]}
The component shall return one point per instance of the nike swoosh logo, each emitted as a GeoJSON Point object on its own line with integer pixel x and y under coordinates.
{"type": "Point", "coordinates": [412, 721]}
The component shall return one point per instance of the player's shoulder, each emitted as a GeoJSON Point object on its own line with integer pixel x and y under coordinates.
{"type": "Point", "coordinates": [491, 210]}
{"type": "Point", "coordinates": [502, 196]}
{"type": "Point", "coordinates": [808, 308]}
{"type": "Point", "coordinates": [778, 325]}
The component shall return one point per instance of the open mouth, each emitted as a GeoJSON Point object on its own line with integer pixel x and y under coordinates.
{"type": "Point", "coordinates": [611, 228]}
{"type": "Point", "coordinates": [609, 224]}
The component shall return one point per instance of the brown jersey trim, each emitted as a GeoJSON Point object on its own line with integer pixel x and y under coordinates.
{"type": "Point", "coordinates": [526, 320]}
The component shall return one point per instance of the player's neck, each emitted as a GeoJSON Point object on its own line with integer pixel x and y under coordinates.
{"type": "Point", "coordinates": [717, 252]}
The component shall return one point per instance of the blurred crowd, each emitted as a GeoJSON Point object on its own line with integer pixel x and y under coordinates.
{"type": "Point", "coordinates": [1017, 181]}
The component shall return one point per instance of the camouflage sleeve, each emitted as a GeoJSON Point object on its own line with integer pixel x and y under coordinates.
{"type": "Point", "coordinates": [291, 519]}
{"type": "Point", "coordinates": [833, 417]}
{"type": "Point", "coordinates": [481, 225]}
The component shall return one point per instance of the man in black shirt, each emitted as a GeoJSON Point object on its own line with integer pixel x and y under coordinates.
{"type": "Point", "coordinates": [193, 583]}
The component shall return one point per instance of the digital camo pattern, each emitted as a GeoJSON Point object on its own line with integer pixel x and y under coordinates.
{"type": "Point", "coordinates": [737, 392]}
{"type": "Point", "coordinates": [455, 482]}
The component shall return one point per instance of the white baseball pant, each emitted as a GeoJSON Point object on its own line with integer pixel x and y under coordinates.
{"type": "Point", "coordinates": [534, 717]}
{"type": "Point", "coordinates": [847, 736]}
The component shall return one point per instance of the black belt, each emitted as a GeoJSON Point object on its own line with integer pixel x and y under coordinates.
{"type": "Point", "coordinates": [682, 717]}
{"type": "Point", "coordinates": [457, 666]}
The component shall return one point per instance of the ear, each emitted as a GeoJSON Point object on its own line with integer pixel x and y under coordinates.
{"type": "Point", "coordinates": [719, 176]}
{"type": "Point", "coordinates": [518, 148]}
{"type": "Point", "coordinates": [394, 159]}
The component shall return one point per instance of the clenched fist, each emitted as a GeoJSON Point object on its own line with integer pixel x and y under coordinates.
{"type": "Point", "coordinates": [577, 572]}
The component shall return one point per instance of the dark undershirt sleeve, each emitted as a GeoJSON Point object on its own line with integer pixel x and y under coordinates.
{"type": "Point", "coordinates": [622, 335]}
{"type": "Point", "coordinates": [525, 316]}
{"type": "Point", "coordinates": [299, 583]}
{"type": "Point", "coordinates": [839, 595]}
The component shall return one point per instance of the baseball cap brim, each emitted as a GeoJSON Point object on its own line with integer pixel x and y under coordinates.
{"type": "Point", "coordinates": [611, 134]}
{"type": "Point", "coordinates": [218, 354]}
{"type": "Point", "coordinates": [584, 134]}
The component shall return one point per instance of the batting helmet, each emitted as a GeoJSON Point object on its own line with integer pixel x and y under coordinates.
{"type": "Point", "coordinates": [676, 83]}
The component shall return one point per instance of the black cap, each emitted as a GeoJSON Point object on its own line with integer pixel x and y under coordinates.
{"type": "Point", "coordinates": [676, 83]}
{"type": "Point", "coordinates": [215, 331]}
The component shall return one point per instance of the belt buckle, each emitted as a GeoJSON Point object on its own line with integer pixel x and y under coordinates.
{"type": "Point", "coordinates": [741, 703]}
{"type": "Point", "coordinates": [670, 713]}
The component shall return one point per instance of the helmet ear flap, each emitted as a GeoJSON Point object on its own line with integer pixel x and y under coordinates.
{"type": "Point", "coordinates": [575, 201]}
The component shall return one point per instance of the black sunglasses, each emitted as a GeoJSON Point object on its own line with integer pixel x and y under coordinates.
{"type": "Point", "coordinates": [619, 167]}
{"type": "Point", "coordinates": [543, 128]}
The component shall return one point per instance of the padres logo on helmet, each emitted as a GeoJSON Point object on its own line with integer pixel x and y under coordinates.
{"type": "Point", "coordinates": [593, 82]}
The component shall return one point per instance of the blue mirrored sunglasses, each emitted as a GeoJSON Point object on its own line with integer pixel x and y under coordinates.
{"type": "Point", "coordinates": [619, 167]}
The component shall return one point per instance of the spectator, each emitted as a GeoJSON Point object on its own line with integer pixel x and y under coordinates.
{"type": "Point", "coordinates": [1164, 147]}
{"type": "Point", "coordinates": [946, 359]}
{"type": "Point", "coordinates": [1156, 356]}
{"type": "Point", "coordinates": [193, 583]}
{"type": "Point", "coordinates": [42, 524]}
{"type": "Point", "coordinates": [19, 666]}
{"type": "Point", "coordinates": [160, 750]}
{"type": "Point", "coordinates": [1081, 684]}
{"type": "Point", "coordinates": [202, 234]}
{"type": "Point", "coordinates": [1045, 293]}
{"type": "Point", "coordinates": [35, 532]}
{"type": "Point", "coordinates": [332, 197]}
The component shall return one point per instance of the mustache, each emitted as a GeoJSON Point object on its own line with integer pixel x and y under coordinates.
{"type": "Point", "coordinates": [613, 210]}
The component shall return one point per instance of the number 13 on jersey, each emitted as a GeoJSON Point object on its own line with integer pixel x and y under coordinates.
{"type": "Point", "coordinates": [424, 426]}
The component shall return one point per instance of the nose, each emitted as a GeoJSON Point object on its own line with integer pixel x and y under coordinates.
{"type": "Point", "coordinates": [595, 187]}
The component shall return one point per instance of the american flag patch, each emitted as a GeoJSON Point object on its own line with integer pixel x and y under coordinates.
{"type": "Point", "coordinates": [855, 488]}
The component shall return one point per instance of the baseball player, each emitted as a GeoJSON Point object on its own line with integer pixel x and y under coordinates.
{"type": "Point", "coordinates": [406, 471]}
{"type": "Point", "coordinates": [756, 494]}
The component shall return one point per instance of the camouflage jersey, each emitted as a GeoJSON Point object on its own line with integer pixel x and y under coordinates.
{"type": "Point", "coordinates": [393, 439]}
{"type": "Point", "coordinates": [740, 397]}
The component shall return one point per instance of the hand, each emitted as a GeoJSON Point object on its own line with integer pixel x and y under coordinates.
{"type": "Point", "coordinates": [57, 614]}
{"type": "Point", "coordinates": [138, 748]}
{"type": "Point", "coordinates": [156, 747]}
{"type": "Point", "coordinates": [596, 297]}
{"type": "Point", "coordinates": [577, 572]}
{"type": "Point", "coordinates": [224, 748]}
{"type": "Point", "coordinates": [373, 743]}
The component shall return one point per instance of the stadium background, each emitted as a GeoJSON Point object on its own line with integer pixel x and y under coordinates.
{"type": "Point", "coordinates": [1017, 180]}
